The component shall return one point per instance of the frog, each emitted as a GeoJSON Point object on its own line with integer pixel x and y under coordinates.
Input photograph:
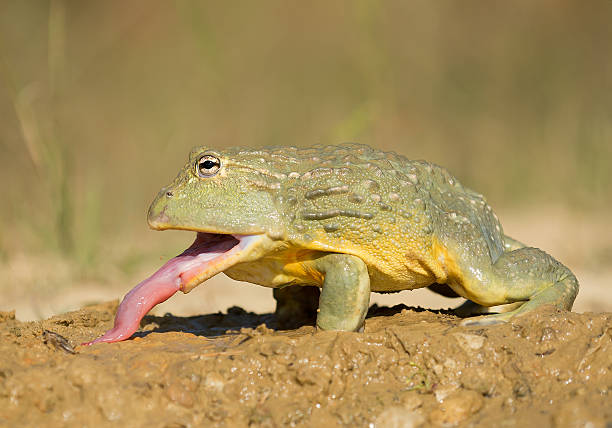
{"type": "Point", "coordinates": [326, 225]}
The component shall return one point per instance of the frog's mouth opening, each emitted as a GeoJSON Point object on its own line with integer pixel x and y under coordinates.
{"type": "Point", "coordinates": [209, 254]}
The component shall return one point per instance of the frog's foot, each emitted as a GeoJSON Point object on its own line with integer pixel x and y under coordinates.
{"type": "Point", "coordinates": [471, 309]}
{"type": "Point", "coordinates": [484, 320]}
{"type": "Point", "coordinates": [360, 330]}
{"type": "Point", "coordinates": [494, 318]}
{"type": "Point", "coordinates": [208, 255]}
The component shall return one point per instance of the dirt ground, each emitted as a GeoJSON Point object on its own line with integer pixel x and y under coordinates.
{"type": "Point", "coordinates": [411, 367]}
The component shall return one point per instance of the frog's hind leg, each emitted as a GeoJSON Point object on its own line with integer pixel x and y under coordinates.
{"type": "Point", "coordinates": [524, 275]}
{"type": "Point", "coordinates": [470, 308]}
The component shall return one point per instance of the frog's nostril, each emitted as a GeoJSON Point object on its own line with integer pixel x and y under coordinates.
{"type": "Point", "coordinates": [169, 193]}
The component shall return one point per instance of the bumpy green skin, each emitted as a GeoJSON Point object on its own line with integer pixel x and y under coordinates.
{"type": "Point", "coordinates": [350, 219]}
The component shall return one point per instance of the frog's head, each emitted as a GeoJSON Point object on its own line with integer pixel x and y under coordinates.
{"type": "Point", "coordinates": [218, 193]}
{"type": "Point", "coordinates": [229, 201]}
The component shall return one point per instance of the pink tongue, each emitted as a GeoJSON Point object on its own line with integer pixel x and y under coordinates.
{"type": "Point", "coordinates": [169, 279]}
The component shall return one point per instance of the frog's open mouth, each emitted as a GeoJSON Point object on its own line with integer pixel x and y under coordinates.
{"type": "Point", "coordinates": [209, 254]}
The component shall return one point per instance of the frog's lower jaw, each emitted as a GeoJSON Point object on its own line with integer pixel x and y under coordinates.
{"type": "Point", "coordinates": [209, 254]}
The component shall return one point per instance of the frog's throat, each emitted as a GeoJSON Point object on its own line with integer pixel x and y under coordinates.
{"type": "Point", "coordinates": [210, 254]}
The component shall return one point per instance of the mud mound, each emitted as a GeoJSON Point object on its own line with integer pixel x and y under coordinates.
{"type": "Point", "coordinates": [411, 367]}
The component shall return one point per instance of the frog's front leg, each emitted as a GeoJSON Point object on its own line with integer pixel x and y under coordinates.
{"type": "Point", "coordinates": [345, 295]}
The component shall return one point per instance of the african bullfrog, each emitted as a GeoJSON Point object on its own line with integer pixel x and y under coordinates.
{"type": "Point", "coordinates": [347, 220]}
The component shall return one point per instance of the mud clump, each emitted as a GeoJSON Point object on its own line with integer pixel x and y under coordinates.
{"type": "Point", "coordinates": [409, 368]}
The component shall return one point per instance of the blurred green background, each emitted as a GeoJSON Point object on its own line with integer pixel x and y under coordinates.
{"type": "Point", "coordinates": [100, 103]}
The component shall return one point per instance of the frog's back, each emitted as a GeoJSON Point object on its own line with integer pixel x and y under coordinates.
{"type": "Point", "coordinates": [379, 206]}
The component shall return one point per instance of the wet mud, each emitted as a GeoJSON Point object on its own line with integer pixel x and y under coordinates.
{"type": "Point", "coordinates": [411, 367]}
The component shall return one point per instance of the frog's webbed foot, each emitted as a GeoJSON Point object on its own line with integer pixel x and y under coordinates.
{"type": "Point", "coordinates": [509, 311]}
{"type": "Point", "coordinates": [486, 320]}
{"type": "Point", "coordinates": [471, 309]}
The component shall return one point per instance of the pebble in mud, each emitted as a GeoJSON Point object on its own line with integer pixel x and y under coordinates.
{"type": "Point", "coordinates": [399, 417]}
{"type": "Point", "coordinates": [177, 393]}
{"type": "Point", "coordinates": [469, 342]}
{"type": "Point", "coordinates": [214, 382]}
{"type": "Point", "coordinates": [456, 408]}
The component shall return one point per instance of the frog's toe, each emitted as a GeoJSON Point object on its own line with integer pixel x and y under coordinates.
{"type": "Point", "coordinates": [485, 320]}
{"type": "Point", "coordinates": [508, 312]}
{"type": "Point", "coordinates": [471, 309]}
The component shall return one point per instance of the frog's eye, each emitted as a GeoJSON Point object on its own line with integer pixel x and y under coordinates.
{"type": "Point", "coordinates": [207, 166]}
